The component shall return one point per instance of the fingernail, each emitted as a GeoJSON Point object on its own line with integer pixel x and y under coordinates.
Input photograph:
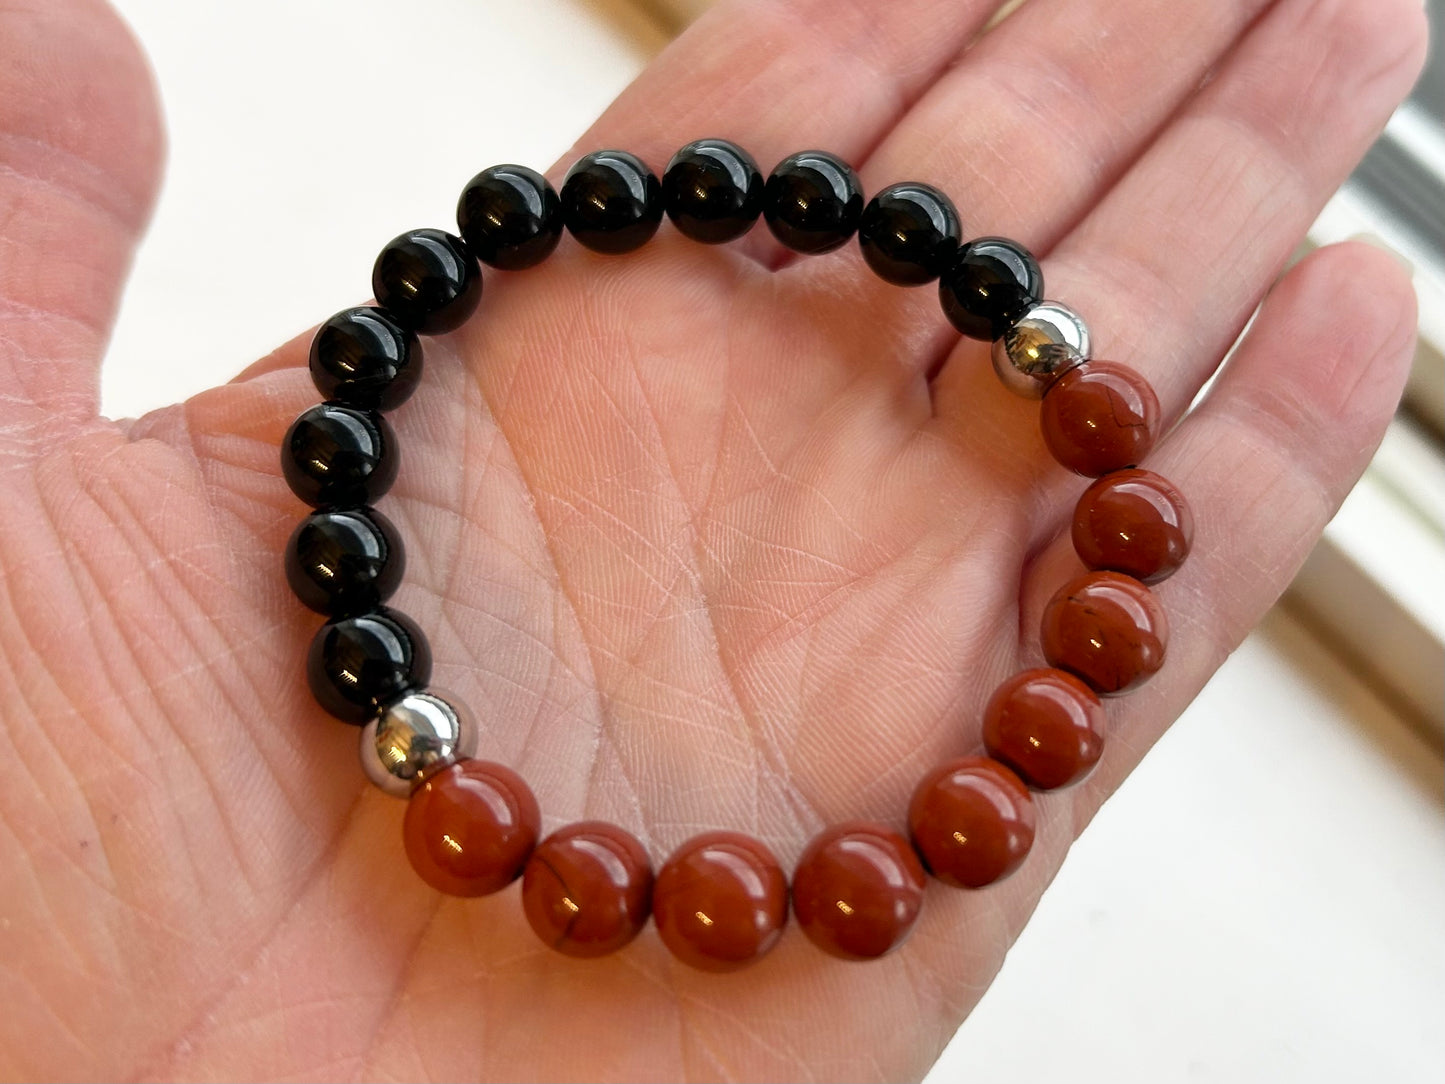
{"type": "Point", "coordinates": [1374, 240]}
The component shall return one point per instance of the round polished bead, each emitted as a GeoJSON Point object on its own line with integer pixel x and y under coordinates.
{"type": "Point", "coordinates": [359, 664]}
{"type": "Point", "coordinates": [857, 890]}
{"type": "Point", "coordinates": [414, 736]}
{"type": "Point", "coordinates": [1050, 340]}
{"type": "Point", "coordinates": [470, 828]}
{"type": "Point", "coordinates": [364, 358]}
{"type": "Point", "coordinates": [587, 889]}
{"type": "Point", "coordinates": [1100, 417]}
{"type": "Point", "coordinates": [1046, 725]}
{"type": "Point", "coordinates": [1135, 522]}
{"type": "Point", "coordinates": [991, 284]}
{"type": "Point", "coordinates": [428, 280]}
{"type": "Point", "coordinates": [909, 233]}
{"type": "Point", "coordinates": [510, 217]}
{"type": "Point", "coordinates": [344, 561]}
{"type": "Point", "coordinates": [713, 191]}
{"type": "Point", "coordinates": [336, 455]}
{"type": "Point", "coordinates": [611, 202]}
{"type": "Point", "coordinates": [1108, 629]}
{"type": "Point", "coordinates": [972, 822]}
{"type": "Point", "coordinates": [720, 902]}
{"type": "Point", "coordinates": [812, 202]}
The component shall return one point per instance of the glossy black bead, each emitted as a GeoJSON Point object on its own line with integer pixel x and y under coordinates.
{"type": "Point", "coordinates": [344, 561]}
{"type": "Point", "coordinates": [510, 217]}
{"type": "Point", "coordinates": [909, 233]}
{"type": "Point", "coordinates": [813, 201]}
{"type": "Point", "coordinates": [713, 191]}
{"type": "Point", "coordinates": [364, 358]}
{"type": "Point", "coordinates": [990, 285]}
{"type": "Point", "coordinates": [427, 280]}
{"type": "Point", "coordinates": [357, 665]}
{"type": "Point", "coordinates": [339, 456]}
{"type": "Point", "coordinates": [611, 201]}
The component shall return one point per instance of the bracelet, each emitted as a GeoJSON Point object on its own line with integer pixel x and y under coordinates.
{"type": "Point", "coordinates": [721, 900]}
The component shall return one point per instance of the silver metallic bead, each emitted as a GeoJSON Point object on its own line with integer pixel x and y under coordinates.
{"type": "Point", "coordinates": [1050, 340]}
{"type": "Point", "coordinates": [413, 737]}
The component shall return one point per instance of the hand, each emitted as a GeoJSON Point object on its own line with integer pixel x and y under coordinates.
{"type": "Point", "coordinates": [692, 531]}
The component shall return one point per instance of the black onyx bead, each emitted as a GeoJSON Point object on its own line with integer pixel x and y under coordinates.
{"type": "Point", "coordinates": [812, 202]}
{"type": "Point", "coordinates": [611, 201]}
{"type": "Point", "coordinates": [909, 233]}
{"type": "Point", "coordinates": [344, 562]}
{"type": "Point", "coordinates": [336, 455]}
{"type": "Point", "coordinates": [713, 191]}
{"type": "Point", "coordinates": [510, 217]}
{"type": "Point", "coordinates": [364, 358]}
{"type": "Point", "coordinates": [989, 287]}
{"type": "Point", "coordinates": [357, 665]}
{"type": "Point", "coordinates": [427, 280]}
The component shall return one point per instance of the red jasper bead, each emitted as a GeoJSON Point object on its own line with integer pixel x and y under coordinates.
{"type": "Point", "coordinates": [720, 902]}
{"type": "Point", "coordinates": [587, 889]}
{"type": "Point", "coordinates": [972, 822]}
{"type": "Point", "coordinates": [1046, 725]}
{"type": "Point", "coordinates": [1135, 522]}
{"type": "Point", "coordinates": [857, 890]}
{"type": "Point", "coordinates": [1106, 628]}
{"type": "Point", "coordinates": [470, 827]}
{"type": "Point", "coordinates": [1099, 418]}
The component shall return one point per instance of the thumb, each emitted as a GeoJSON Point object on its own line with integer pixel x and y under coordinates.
{"type": "Point", "coordinates": [81, 146]}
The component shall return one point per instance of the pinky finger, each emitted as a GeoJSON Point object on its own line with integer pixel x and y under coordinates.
{"type": "Point", "coordinates": [1265, 461]}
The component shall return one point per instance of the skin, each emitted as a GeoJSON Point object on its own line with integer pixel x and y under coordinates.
{"type": "Point", "coordinates": [691, 531]}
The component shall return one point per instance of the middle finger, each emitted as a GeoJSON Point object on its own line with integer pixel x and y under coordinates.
{"type": "Point", "coordinates": [1035, 124]}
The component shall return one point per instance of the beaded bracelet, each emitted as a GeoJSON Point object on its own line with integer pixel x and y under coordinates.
{"type": "Point", "coordinates": [721, 899]}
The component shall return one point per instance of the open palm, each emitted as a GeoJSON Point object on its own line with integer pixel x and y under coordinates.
{"type": "Point", "coordinates": [704, 537]}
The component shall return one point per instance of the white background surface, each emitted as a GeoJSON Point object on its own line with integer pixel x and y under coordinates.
{"type": "Point", "coordinates": [1263, 902]}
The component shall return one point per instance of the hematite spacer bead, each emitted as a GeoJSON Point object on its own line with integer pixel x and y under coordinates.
{"type": "Point", "coordinates": [359, 664]}
{"type": "Point", "coordinates": [990, 285]}
{"type": "Point", "coordinates": [1047, 342]}
{"type": "Point", "coordinates": [415, 735]}
{"type": "Point", "coordinates": [812, 202]}
{"type": "Point", "coordinates": [713, 191]}
{"type": "Point", "coordinates": [510, 217]}
{"type": "Point", "coordinates": [364, 358]}
{"type": "Point", "coordinates": [344, 561]}
{"type": "Point", "coordinates": [338, 455]}
{"type": "Point", "coordinates": [909, 233]}
{"type": "Point", "coordinates": [428, 280]}
{"type": "Point", "coordinates": [611, 202]}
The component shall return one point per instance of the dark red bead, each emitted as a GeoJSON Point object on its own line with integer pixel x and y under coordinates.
{"type": "Point", "coordinates": [1046, 725]}
{"type": "Point", "coordinates": [1100, 417]}
{"type": "Point", "coordinates": [972, 822]}
{"type": "Point", "coordinates": [857, 890]}
{"type": "Point", "coordinates": [470, 828]}
{"type": "Point", "coordinates": [1135, 522]}
{"type": "Point", "coordinates": [587, 889]}
{"type": "Point", "coordinates": [1106, 628]}
{"type": "Point", "coordinates": [720, 902]}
